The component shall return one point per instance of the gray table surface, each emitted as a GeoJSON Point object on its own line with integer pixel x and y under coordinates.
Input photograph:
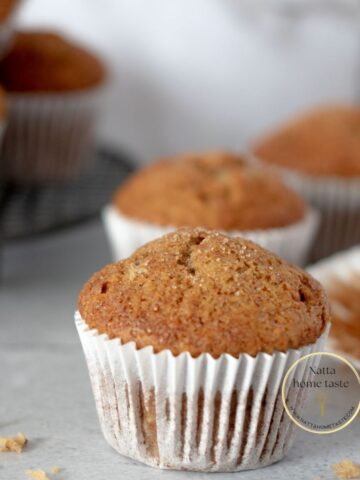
{"type": "Point", "coordinates": [44, 386]}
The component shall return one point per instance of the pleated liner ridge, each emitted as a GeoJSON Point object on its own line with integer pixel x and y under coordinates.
{"type": "Point", "coordinates": [200, 414]}
{"type": "Point", "coordinates": [49, 137]}
{"type": "Point", "coordinates": [291, 242]}
{"type": "Point", "coordinates": [338, 201]}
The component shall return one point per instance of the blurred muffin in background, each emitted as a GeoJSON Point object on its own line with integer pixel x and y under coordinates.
{"type": "Point", "coordinates": [7, 10]}
{"type": "Point", "coordinates": [340, 276]}
{"type": "Point", "coordinates": [47, 62]}
{"type": "Point", "coordinates": [215, 190]}
{"type": "Point", "coordinates": [323, 142]}
{"type": "Point", "coordinates": [319, 154]}
{"type": "Point", "coordinates": [54, 89]}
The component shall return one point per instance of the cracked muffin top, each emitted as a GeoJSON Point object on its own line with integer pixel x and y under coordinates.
{"type": "Point", "coordinates": [6, 8]}
{"type": "Point", "coordinates": [48, 63]}
{"type": "Point", "coordinates": [203, 292]}
{"type": "Point", "coordinates": [216, 190]}
{"type": "Point", "coordinates": [322, 142]}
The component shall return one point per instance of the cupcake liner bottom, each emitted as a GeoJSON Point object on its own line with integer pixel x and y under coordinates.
{"type": "Point", "coordinates": [198, 414]}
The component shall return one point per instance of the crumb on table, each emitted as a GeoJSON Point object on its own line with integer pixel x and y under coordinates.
{"type": "Point", "coordinates": [55, 470]}
{"type": "Point", "coordinates": [37, 474]}
{"type": "Point", "coordinates": [346, 469]}
{"type": "Point", "coordinates": [13, 444]}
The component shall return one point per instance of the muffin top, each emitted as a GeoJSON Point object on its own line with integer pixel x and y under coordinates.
{"type": "Point", "coordinates": [323, 142]}
{"type": "Point", "coordinates": [48, 63]}
{"type": "Point", "coordinates": [216, 190]}
{"type": "Point", "coordinates": [203, 292]}
{"type": "Point", "coordinates": [6, 8]}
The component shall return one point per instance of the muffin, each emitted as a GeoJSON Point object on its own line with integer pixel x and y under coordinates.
{"type": "Point", "coordinates": [215, 190]}
{"type": "Point", "coordinates": [187, 342]}
{"type": "Point", "coordinates": [7, 10]}
{"type": "Point", "coordinates": [53, 107]}
{"type": "Point", "coordinates": [319, 153]}
{"type": "Point", "coordinates": [340, 276]}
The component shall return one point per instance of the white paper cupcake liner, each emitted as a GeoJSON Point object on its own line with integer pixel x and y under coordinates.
{"type": "Point", "coordinates": [185, 413]}
{"type": "Point", "coordinates": [343, 267]}
{"type": "Point", "coordinates": [338, 202]}
{"type": "Point", "coordinates": [292, 242]}
{"type": "Point", "coordinates": [49, 136]}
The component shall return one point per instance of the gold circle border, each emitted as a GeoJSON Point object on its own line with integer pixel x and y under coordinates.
{"type": "Point", "coordinates": [329, 354]}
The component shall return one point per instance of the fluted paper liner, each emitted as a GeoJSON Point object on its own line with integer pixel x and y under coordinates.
{"type": "Point", "coordinates": [343, 267]}
{"type": "Point", "coordinates": [291, 242]}
{"type": "Point", "coordinates": [185, 413]}
{"type": "Point", "coordinates": [49, 136]}
{"type": "Point", "coordinates": [338, 201]}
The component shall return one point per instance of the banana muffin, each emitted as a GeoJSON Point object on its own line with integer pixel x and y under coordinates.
{"type": "Point", "coordinates": [325, 141]}
{"type": "Point", "coordinates": [216, 190]}
{"type": "Point", "coordinates": [53, 107]}
{"type": "Point", "coordinates": [187, 342]}
{"type": "Point", "coordinates": [319, 155]}
{"type": "Point", "coordinates": [48, 62]}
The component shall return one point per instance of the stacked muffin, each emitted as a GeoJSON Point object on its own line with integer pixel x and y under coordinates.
{"type": "Point", "coordinates": [54, 89]}
{"type": "Point", "coordinates": [319, 154]}
{"type": "Point", "coordinates": [215, 190]}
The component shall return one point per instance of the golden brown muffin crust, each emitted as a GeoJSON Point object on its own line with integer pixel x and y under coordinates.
{"type": "Point", "coordinates": [216, 190]}
{"type": "Point", "coordinates": [48, 63]}
{"type": "Point", "coordinates": [198, 291]}
{"type": "Point", "coordinates": [322, 142]}
{"type": "Point", "coordinates": [6, 8]}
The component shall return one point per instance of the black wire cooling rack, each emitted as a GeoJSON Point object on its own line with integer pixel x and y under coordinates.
{"type": "Point", "coordinates": [30, 211]}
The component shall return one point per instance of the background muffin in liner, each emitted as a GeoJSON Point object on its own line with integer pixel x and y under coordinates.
{"type": "Point", "coordinates": [340, 276]}
{"type": "Point", "coordinates": [292, 242]}
{"type": "Point", "coordinates": [182, 409]}
{"type": "Point", "coordinates": [319, 156]}
{"type": "Point", "coordinates": [53, 108]}
{"type": "Point", "coordinates": [216, 190]}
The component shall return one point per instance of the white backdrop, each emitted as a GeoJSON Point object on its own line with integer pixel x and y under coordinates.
{"type": "Point", "coordinates": [192, 74]}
